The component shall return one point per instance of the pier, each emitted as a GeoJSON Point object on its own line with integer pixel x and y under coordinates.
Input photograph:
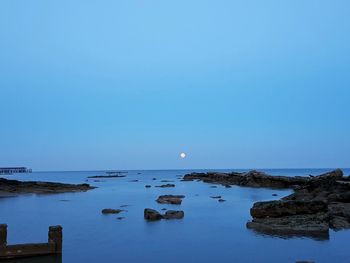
{"type": "Point", "coordinates": [52, 247]}
{"type": "Point", "coordinates": [13, 170]}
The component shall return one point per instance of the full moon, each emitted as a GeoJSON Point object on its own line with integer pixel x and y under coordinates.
{"type": "Point", "coordinates": [183, 155]}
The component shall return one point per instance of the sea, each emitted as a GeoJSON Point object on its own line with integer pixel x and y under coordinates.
{"type": "Point", "coordinates": [211, 231]}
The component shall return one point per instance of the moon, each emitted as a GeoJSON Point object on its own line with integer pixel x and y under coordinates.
{"type": "Point", "coordinates": [183, 155]}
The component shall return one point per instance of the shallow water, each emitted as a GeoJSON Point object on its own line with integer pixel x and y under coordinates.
{"type": "Point", "coordinates": [210, 232]}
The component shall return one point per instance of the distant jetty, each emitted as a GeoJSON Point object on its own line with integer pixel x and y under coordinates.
{"type": "Point", "coordinates": [13, 170]}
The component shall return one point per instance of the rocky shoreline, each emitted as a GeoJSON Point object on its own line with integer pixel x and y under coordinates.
{"type": "Point", "coordinates": [15, 187]}
{"type": "Point", "coordinates": [319, 203]}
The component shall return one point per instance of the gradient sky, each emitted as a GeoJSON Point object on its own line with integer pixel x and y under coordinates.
{"type": "Point", "coordinates": [110, 84]}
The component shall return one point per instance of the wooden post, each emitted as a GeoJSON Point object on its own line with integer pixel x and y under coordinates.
{"type": "Point", "coordinates": [55, 237]}
{"type": "Point", "coordinates": [3, 235]}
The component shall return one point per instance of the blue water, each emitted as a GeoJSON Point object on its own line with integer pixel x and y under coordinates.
{"type": "Point", "coordinates": [210, 232]}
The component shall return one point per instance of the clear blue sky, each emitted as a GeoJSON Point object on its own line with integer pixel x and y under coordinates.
{"type": "Point", "coordinates": [130, 84]}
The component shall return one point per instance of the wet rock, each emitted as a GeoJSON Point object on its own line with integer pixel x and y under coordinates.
{"type": "Point", "coordinates": [338, 222]}
{"type": "Point", "coordinates": [166, 181]}
{"type": "Point", "coordinates": [120, 217]}
{"type": "Point", "coordinates": [154, 179]}
{"type": "Point", "coordinates": [287, 208]}
{"type": "Point", "coordinates": [111, 211]}
{"type": "Point", "coordinates": [221, 200]}
{"type": "Point", "coordinates": [170, 199]}
{"type": "Point", "coordinates": [228, 186]}
{"type": "Point", "coordinates": [148, 186]}
{"type": "Point", "coordinates": [274, 194]}
{"type": "Point", "coordinates": [19, 187]}
{"type": "Point", "coordinates": [251, 179]}
{"type": "Point", "coordinates": [216, 197]}
{"type": "Point", "coordinates": [152, 215]}
{"type": "Point", "coordinates": [124, 205]}
{"type": "Point", "coordinates": [172, 214]}
{"type": "Point", "coordinates": [213, 186]}
{"type": "Point", "coordinates": [299, 224]}
{"type": "Point", "coordinates": [134, 181]}
{"type": "Point", "coordinates": [166, 185]}
{"type": "Point", "coordinates": [164, 209]}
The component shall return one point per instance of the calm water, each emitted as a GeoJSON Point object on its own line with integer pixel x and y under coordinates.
{"type": "Point", "coordinates": [210, 232]}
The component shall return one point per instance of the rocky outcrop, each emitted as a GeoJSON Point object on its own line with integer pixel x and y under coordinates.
{"type": "Point", "coordinates": [21, 187]}
{"type": "Point", "coordinates": [323, 202]}
{"type": "Point", "coordinates": [154, 215]}
{"type": "Point", "coordinates": [170, 199]}
{"type": "Point", "coordinates": [251, 179]}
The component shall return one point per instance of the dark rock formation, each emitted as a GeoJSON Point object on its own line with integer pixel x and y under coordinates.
{"type": "Point", "coordinates": [152, 215]}
{"type": "Point", "coordinates": [21, 187]}
{"type": "Point", "coordinates": [172, 214]}
{"type": "Point", "coordinates": [111, 211]}
{"type": "Point", "coordinates": [321, 203]}
{"type": "Point", "coordinates": [170, 199]}
{"type": "Point", "coordinates": [148, 186]}
{"type": "Point", "coordinates": [166, 185]}
{"type": "Point", "coordinates": [286, 208]}
{"type": "Point", "coordinates": [216, 197]}
{"type": "Point", "coordinates": [252, 179]}
{"type": "Point", "coordinates": [221, 200]}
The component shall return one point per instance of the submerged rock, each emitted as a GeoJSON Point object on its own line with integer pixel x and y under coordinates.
{"type": "Point", "coordinates": [172, 214]}
{"type": "Point", "coordinates": [111, 211]}
{"type": "Point", "coordinates": [166, 185]}
{"type": "Point", "coordinates": [148, 186]}
{"type": "Point", "coordinates": [170, 199]}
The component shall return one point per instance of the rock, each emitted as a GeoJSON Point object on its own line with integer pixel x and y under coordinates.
{"type": "Point", "coordinates": [287, 208]}
{"type": "Point", "coordinates": [164, 209]}
{"type": "Point", "coordinates": [166, 181]}
{"type": "Point", "coordinates": [172, 214]}
{"type": "Point", "coordinates": [111, 211]}
{"type": "Point", "coordinates": [299, 224]}
{"type": "Point", "coordinates": [305, 261]}
{"type": "Point", "coordinates": [221, 200]}
{"type": "Point", "coordinates": [120, 218]}
{"type": "Point", "coordinates": [19, 187]}
{"type": "Point", "coordinates": [152, 215]}
{"type": "Point", "coordinates": [124, 205]}
{"type": "Point", "coordinates": [213, 186]}
{"type": "Point", "coordinates": [147, 186]}
{"type": "Point", "coordinates": [154, 179]}
{"type": "Point", "coordinates": [274, 194]}
{"type": "Point", "coordinates": [134, 181]}
{"type": "Point", "coordinates": [166, 185]}
{"type": "Point", "coordinates": [216, 197]}
{"type": "Point", "coordinates": [339, 222]}
{"type": "Point", "coordinates": [170, 199]}
{"type": "Point", "coordinates": [251, 179]}
{"type": "Point", "coordinates": [106, 176]}
{"type": "Point", "coordinates": [228, 186]}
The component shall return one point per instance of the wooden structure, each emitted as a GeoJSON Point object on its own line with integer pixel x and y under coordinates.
{"type": "Point", "coordinates": [12, 170]}
{"type": "Point", "coordinates": [53, 246]}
